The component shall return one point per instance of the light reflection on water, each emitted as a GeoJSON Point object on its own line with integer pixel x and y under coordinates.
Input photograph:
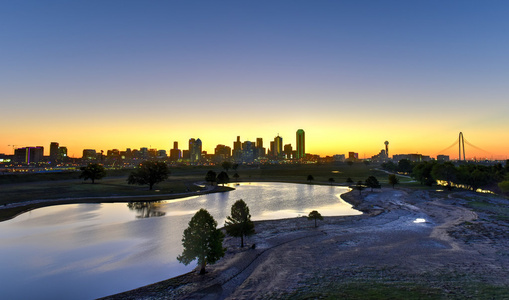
{"type": "Point", "coordinates": [84, 251]}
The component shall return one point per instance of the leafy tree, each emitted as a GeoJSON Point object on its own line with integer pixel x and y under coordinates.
{"type": "Point", "coordinates": [210, 177]}
{"type": "Point", "coordinates": [239, 224]}
{"type": "Point", "coordinates": [349, 180]}
{"type": "Point", "coordinates": [389, 166]}
{"type": "Point", "coordinates": [405, 166]}
{"type": "Point", "coordinates": [446, 172]}
{"type": "Point", "coordinates": [314, 215]}
{"type": "Point", "coordinates": [235, 167]}
{"type": "Point", "coordinates": [93, 171]}
{"type": "Point", "coordinates": [310, 178]}
{"type": "Point", "coordinates": [331, 180]}
{"type": "Point", "coordinates": [223, 178]}
{"type": "Point", "coordinates": [226, 165]}
{"type": "Point", "coordinates": [422, 173]}
{"type": "Point", "coordinates": [236, 176]}
{"type": "Point", "coordinates": [202, 241]}
{"type": "Point", "coordinates": [504, 186]}
{"type": "Point", "coordinates": [149, 172]}
{"type": "Point", "coordinates": [372, 183]}
{"type": "Point", "coordinates": [393, 180]}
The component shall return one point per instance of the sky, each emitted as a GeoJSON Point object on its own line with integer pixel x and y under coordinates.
{"type": "Point", "coordinates": [353, 74]}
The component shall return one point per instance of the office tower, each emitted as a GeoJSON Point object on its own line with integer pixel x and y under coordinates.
{"type": "Point", "coordinates": [175, 153]}
{"type": "Point", "coordinates": [278, 146]}
{"type": "Point", "coordinates": [301, 144]}
{"type": "Point", "coordinates": [195, 150]}
{"type": "Point", "coordinates": [287, 151]}
{"type": "Point", "coordinates": [223, 152]}
{"type": "Point", "coordinates": [62, 152]}
{"type": "Point", "coordinates": [237, 149]}
{"type": "Point", "coordinates": [53, 151]}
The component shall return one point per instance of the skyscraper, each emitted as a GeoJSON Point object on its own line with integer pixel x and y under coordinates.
{"type": "Point", "coordinates": [53, 151]}
{"type": "Point", "coordinates": [301, 144]}
{"type": "Point", "coordinates": [278, 146]}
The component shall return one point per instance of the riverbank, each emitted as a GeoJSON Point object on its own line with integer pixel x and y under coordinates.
{"type": "Point", "coordinates": [11, 210]}
{"type": "Point", "coordinates": [409, 243]}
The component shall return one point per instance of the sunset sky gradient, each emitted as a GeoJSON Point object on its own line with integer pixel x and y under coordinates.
{"type": "Point", "coordinates": [352, 74]}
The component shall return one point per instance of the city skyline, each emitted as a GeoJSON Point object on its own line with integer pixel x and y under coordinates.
{"type": "Point", "coordinates": [352, 74]}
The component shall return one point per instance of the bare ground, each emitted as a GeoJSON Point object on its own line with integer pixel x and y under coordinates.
{"type": "Point", "coordinates": [453, 251]}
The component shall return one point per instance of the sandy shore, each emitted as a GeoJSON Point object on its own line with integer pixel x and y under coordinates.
{"type": "Point", "coordinates": [405, 237]}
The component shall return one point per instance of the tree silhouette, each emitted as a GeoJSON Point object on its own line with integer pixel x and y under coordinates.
{"type": "Point", "coordinates": [359, 186]}
{"type": "Point", "coordinates": [226, 165]}
{"type": "Point", "coordinates": [93, 171]}
{"type": "Point", "coordinates": [202, 241]}
{"type": "Point", "coordinates": [210, 177]}
{"type": "Point", "coordinates": [149, 172]}
{"type": "Point", "coordinates": [393, 180]}
{"type": "Point", "coordinates": [239, 224]}
{"type": "Point", "coordinates": [314, 215]}
{"type": "Point", "coordinates": [310, 178]}
{"type": "Point", "coordinates": [331, 180]}
{"type": "Point", "coordinates": [223, 178]}
{"type": "Point", "coordinates": [372, 183]}
{"type": "Point", "coordinates": [236, 176]}
{"type": "Point", "coordinates": [349, 180]}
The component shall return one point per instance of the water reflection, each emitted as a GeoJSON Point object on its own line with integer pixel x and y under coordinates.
{"type": "Point", "coordinates": [147, 209]}
{"type": "Point", "coordinates": [85, 251]}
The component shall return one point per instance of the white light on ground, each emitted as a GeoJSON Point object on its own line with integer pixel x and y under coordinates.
{"type": "Point", "coordinates": [420, 220]}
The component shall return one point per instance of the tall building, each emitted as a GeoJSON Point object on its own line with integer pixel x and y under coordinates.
{"type": "Point", "coordinates": [175, 153]}
{"type": "Point", "coordinates": [195, 150]}
{"type": "Point", "coordinates": [237, 149]}
{"type": "Point", "coordinates": [301, 144]}
{"type": "Point", "coordinates": [278, 146]}
{"type": "Point", "coordinates": [53, 151]}
{"type": "Point", "coordinates": [89, 154]}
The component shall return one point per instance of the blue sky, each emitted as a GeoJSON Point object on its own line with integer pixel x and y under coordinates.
{"type": "Point", "coordinates": [117, 74]}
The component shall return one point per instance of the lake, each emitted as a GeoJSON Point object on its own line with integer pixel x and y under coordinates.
{"type": "Point", "coordinates": [84, 251]}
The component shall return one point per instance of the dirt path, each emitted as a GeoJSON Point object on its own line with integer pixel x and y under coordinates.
{"type": "Point", "coordinates": [293, 256]}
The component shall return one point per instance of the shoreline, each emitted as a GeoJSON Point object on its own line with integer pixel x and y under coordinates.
{"type": "Point", "coordinates": [385, 245]}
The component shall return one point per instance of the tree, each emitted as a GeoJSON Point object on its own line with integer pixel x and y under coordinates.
{"type": "Point", "coordinates": [331, 180]}
{"type": "Point", "coordinates": [202, 241]}
{"type": "Point", "coordinates": [504, 186]}
{"type": "Point", "coordinates": [445, 172]}
{"type": "Point", "coordinates": [149, 172]}
{"type": "Point", "coordinates": [235, 167]}
{"type": "Point", "coordinates": [226, 165]}
{"type": "Point", "coordinates": [349, 180]}
{"type": "Point", "coordinates": [236, 176]}
{"type": "Point", "coordinates": [314, 215]}
{"type": "Point", "coordinates": [405, 166]}
{"type": "Point", "coordinates": [372, 183]}
{"type": "Point", "coordinates": [93, 171]}
{"type": "Point", "coordinates": [239, 224]}
{"type": "Point", "coordinates": [393, 180]}
{"type": "Point", "coordinates": [359, 186]}
{"type": "Point", "coordinates": [223, 178]}
{"type": "Point", "coordinates": [310, 178]}
{"type": "Point", "coordinates": [210, 177]}
{"type": "Point", "coordinates": [422, 173]}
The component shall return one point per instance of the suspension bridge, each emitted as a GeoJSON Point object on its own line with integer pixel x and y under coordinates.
{"type": "Point", "coordinates": [460, 143]}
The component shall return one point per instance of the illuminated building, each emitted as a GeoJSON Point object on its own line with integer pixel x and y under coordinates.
{"type": "Point", "coordinates": [222, 152]}
{"type": "Point", "coordinates": [29, 154]}
{"type": "Point", "coordinates": [288, 151]}
{"type": "Point", "coordinates": [195, 149]}
{"type": "Point", "coordinates": [278, 147]}
{"type": "Point", "coordinates": [301, 144]}
{"type": "Point", "coordinates": [89, 154]}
